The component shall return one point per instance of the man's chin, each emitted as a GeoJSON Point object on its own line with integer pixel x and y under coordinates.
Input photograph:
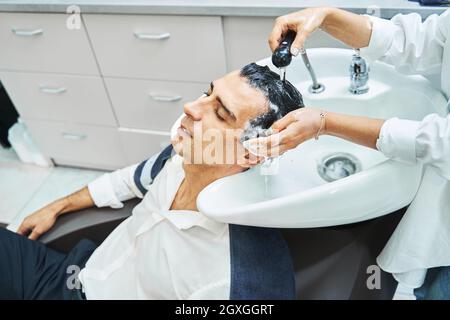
{"type": "Point", "coordinates": [178, 147]}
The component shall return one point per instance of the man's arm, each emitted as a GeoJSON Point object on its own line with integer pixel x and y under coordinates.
{"type": "Point", "coordinates": [42, 220]}
{"type": "Point", "coordinates": [109, 189]}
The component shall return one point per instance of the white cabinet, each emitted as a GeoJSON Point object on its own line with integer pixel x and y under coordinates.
{"type": "Point", "coordinates": [79, 145]}
{"type": "Point", "coordinates": [152, 65]}
{"type": "Point", "coordinates": [246, 40]}
{"type": "Point", "coordinates": [140, 144]}
{"type": "Point", "coordinates": [187, 48]}
{"type": "Point", "coordinates": [42, 42]}
{"type": "Point", "coordinates": [107, 94]}
{"type": "Point", "coordinates": [152, 105]}
{"type": "Point", "coordinates": [58, 97]}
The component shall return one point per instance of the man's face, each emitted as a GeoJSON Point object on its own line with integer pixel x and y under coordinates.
{"type": "Point", "coordinates": [211, 128]}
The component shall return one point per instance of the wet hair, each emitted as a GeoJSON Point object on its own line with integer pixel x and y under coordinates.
{"type": "Point", "coordinates": [282, 97]}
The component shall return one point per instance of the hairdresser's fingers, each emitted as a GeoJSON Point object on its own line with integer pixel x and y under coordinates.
{"type": "Point", "coordinates": [287, 140]}
{"type": "Point", "coordinates": [279, 150]}
{"type": "Point", "coordinates": [283, 147]}
{"type": "Point", "coordinates": [261, 145]}
{"type": "Point", "coordinates": [277, 33]}
{"type": "Point", "coordinates": [284, 122]}
{"type": "Point", "coordinates": [299, 42]}
{"type": "Point", "coordinates": [290, 138]}
{"type": "Point", "coordinates": [251, 160]}
{"type": "Point", "coordinates": [308, 23]}
{"type": "Point", "coordinates": [271, 146]}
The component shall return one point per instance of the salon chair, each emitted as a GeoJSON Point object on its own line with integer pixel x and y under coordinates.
{"type": "Point", "coordinates": [330, 263]}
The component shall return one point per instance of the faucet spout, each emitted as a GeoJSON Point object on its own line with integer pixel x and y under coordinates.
{"type": "Point", "coordinates": [316, 87]}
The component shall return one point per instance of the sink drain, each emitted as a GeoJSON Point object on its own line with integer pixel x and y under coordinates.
{"type": "Point", "coordinates": [337, 166]}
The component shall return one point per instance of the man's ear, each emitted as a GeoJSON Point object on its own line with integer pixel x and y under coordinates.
{"type": "Point", "coordinates": [249, 160]}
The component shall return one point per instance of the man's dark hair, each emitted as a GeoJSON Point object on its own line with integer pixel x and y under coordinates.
{"type": "Point", "coordinates": [283, 97]}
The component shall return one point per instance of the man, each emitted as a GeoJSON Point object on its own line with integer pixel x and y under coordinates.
{"type": "Point", "coordinates": [166, 249]}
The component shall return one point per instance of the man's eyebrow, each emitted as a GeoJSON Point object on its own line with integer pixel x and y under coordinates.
{"type": "Point", "coordinates": [231, 114]}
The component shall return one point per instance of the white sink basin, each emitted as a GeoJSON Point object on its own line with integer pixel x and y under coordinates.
{"type": "Point", "coordinates": [297, 196]}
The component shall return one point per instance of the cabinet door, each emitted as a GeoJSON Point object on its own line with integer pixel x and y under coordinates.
{"type": "Point", "coordinates": [152, 105]}
{"type": "Point", "coordinates": [187, 48]}
{"type": "Point", "coordinates": [69, 98]}
{"type": "Point", "coordinates": [140, 145]}
{"type": "Point", "coordinates": [42, 42]}
{"type": "Point", "coordinates": [78, 145]}
{"type": "Point", "coordinates": [246, 40]}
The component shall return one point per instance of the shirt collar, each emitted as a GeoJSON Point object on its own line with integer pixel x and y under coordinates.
{"type": "Point", "coordinates": [186, 219]}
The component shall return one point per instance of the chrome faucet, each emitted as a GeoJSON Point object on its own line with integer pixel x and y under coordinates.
{"type": "Point", "coordinates": [315, 87]}
{"type": "Point", "coordinates": [359, 74]}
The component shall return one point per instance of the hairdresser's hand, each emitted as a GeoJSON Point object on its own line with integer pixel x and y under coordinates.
{"type": "Point", "coordinates": [40, 221]}
{"type": "Point", "coordinates": [293, 129]}
{"type": "Point", "coordinates": [304, 22]}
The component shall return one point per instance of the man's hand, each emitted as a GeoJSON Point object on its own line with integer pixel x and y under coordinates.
{"type": "Point", "coordinates": [38, 223]}
{"type": "Point", "coordinates": [41, 221]}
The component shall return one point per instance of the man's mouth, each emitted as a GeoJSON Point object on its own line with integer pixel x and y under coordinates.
{"type": "Point", "coordinates": [182, 131]}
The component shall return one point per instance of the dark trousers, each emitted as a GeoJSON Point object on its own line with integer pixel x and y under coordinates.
{"type": "Point", "coordinates": [30, 270]}
{"type": "Point", "coordinates": [436, 286]}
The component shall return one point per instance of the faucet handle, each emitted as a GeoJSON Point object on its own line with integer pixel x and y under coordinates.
{"type": "Point", "coordinates": [358, 64]}
{"type": "Point", "coordinates": [359, 74]}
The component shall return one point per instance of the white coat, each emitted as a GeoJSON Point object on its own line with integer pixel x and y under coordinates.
{"type": "Point", "coordinates": [422, 239]}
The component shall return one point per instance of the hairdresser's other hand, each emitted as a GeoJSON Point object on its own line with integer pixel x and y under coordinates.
{"type": "Point", "coordinates": [40, 221]}
{"type": "Point", "coordinates": [304, 22]}
{"type": "Point", "coordinates": [293, 129]}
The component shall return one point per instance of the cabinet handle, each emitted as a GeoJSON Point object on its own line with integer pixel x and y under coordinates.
{"type": "Point", "coordinates": [27, 33]}
{"type": "Point", "coordinates": [147, 36]}
{"type": "Point", "coordinates": [158, 97]}
{"type": "Point", "coordinates": [52, 90]}
{"type": "Point", "coordinates": [73, 136]}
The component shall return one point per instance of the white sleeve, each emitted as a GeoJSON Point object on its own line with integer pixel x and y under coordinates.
{"type": "Point", "coordinates": [409, 44]}
{"type": "Point", "coordinates": [111, 189]}
{"type": "Point", "coordinates": [426, 141]}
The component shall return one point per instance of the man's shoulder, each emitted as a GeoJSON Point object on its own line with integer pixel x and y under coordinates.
{"type": "Point", "coordinates": [172, 171]}
{"type": "Point", "coordinates": [149, 169]}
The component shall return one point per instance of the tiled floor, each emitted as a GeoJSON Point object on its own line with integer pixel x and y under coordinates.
{"type": "Point", "coordinates": [26, 188]}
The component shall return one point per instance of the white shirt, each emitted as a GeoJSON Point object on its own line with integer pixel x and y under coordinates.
{"type": "Point", "coordinates": [156, 253]}
{"type": "Point", "coordinates": [422, 239]}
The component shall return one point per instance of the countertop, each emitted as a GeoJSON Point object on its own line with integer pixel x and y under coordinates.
{"type": "Point", "coordinates": [388, 8]}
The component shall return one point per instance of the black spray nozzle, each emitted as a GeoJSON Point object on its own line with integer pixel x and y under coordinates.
{"type": "Point", "coordinates": [282, 56]}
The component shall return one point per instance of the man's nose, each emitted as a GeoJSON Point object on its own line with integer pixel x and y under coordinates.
{"type": "Point", "coordinates": [194, 110]}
